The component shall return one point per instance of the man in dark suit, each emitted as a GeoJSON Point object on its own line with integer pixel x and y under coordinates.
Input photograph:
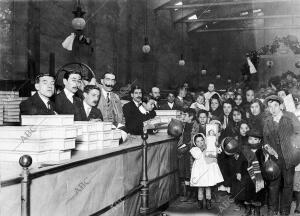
{"type": "Point", "coordinates": [88, 111]}
{"type": "Point", "coordinates": [155, 93]}
{"type": "Point", "coordinates": [134, 118]}
{"type": "Point", "coordinates": [169, 104]}
{"type": "Point", "coordinates": [180, 101]}
{"type": "Point", "coordinates": [40, 103]}
{"type": "Point", "coordinates": [66, 102]}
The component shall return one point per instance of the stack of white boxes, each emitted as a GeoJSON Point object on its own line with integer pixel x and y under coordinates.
{"type": "Point", "coordinates": [45, 138]}
{"type": "Point", "coordinates": [12, 109]}
{"type": "Point", "coordinates": [5, 95]}
{"type": "Point", "coordinates": [11, 102]}
{"type": "Point", "coordinates": [1, 114]}
{"type": "Point", "coordinates": [167, 115]}
{"type": "Point", "coordinates": [96, 135]}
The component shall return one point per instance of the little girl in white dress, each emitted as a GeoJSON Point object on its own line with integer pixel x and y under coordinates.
{"type": "Point", "coordinates": [205, 171]}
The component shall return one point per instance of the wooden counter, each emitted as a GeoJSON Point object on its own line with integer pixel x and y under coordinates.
{"type": "Point", "coordinates": [95, 180]}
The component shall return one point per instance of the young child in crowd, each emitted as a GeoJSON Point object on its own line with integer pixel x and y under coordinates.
{"type": "Point", "coordinates": [249, 186]}
{"type": "Point", "coordinates": [297, 188]}
{"type": "Point", "coordinates": [184, 145]}
{"type": "Point", "coordinates": [205, 171]}
{"type": "Point", "coordinates": [199, 104]}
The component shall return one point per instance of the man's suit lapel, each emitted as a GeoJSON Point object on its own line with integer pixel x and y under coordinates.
{"type": "Point", "coordinates": [67, 100]}
{"type": "Point", "coordinates": [38, 101]}
{"type": "Point", "coordinates": [82, 110]}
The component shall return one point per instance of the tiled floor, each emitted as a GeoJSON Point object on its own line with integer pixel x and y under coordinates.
{"type": "Point", "coordinates": [224, 208]}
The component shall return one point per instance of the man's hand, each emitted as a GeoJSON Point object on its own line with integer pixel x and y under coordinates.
{"type": "Point", "coordinates": [259, 184]}
{"type": "Point", "coordinates": [270, 150]}
{"type": "Point", "coordinates": [238, 176]}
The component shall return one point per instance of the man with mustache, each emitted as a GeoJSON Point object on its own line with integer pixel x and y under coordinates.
{"type": "Point", "coordinates": [110, 103]}
{"type": "Point", "coordinates": [66, 102]}
{"type": "Point", "coordinates": [88, 110]}
{"type": "Point", "coordinates": [134, 118]}
{"type": "Point", "coordinates": [40, 103]}
{"type": "Point", "coordinates": [155, 93]}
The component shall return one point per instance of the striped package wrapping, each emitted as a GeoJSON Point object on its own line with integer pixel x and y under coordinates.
{"type": "Point", "coordinates": [255, 175]}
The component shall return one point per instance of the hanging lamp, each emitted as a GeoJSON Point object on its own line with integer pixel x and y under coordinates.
{"type": "Point", "coordinates": [181, 60]}
{"type": "Point", "coordinates": [78, 22]}
{"type": "Point", "coordinates": [203, 70]}
{"type": "Point", "coordinates": [146, 47]}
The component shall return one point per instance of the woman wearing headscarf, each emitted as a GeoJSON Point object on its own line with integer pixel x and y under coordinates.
{"type": "Point", "coordinates": [257, 115]}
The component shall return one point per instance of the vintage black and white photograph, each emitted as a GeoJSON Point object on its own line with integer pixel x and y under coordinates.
{"type": "Point", "coordinates": [150, 107]}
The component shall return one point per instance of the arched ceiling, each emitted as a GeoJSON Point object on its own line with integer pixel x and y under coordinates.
{"type": "Point", "coordinates": [230, 15]}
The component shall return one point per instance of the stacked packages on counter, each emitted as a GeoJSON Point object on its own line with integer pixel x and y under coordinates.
{"type": "Point", "coordinates": [12, 109]}
{"type": "Point", "coordinates": [50, 138]}
{"type": "Point", "coordinates": [1, 114]}
{"type": "Point", "coordinates": [4, 95]}
{"type": "Point", "coordinates": [166, 116]}
{"type": "Point", "coordinates": [10, 101]}
{"type": "Point", "coordinates": [44, 137]}
{"type": "Point", "coordinates": [96, 135]}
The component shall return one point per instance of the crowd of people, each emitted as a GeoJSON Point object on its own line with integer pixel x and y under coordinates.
{"type": "Point", "coordinates": [251, 132]}
{"type": "Point", "coordinates": [226, 141]}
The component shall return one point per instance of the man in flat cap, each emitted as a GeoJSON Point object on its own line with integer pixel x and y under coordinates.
{"type": "Point", "coordinates": [278, 131]}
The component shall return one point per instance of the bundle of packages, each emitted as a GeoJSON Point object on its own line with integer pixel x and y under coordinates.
{"type": "Point", "coordinates": [8, 94]}
{"type": "Point", "coordinates": [96, 135]}
{"type": "Point", "coordinates": [43, 142]}
{"type": "Point", "coordinates": [11, 109]}
{"type": "Point", "coordinates": [167, 115]}
{"type": "Point", "coordinates": [1, 114]}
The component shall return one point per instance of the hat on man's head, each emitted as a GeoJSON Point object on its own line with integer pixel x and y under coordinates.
{"type": "Point", "coordinates": [255, 133]}
{"type": "Point", "coordinates": [273, 98]}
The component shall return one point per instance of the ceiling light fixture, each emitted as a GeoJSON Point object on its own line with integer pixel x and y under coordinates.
{"type": "Point", "coordinates": [181, 60]}
{"type": "Point", "coordinates": [146, 47]}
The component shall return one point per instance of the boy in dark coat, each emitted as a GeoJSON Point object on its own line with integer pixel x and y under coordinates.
{"type": "Point", "coordinates": [279, 129]}
{"type": "Point", "coordinates": [184, 145]}
{"type": "Point", "coordinates": [249, 187]}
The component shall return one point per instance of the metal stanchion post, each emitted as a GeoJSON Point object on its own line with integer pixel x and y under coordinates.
{"type": "Point", "coordinates": [25, 161]}
{"type": "Point", "coordinates": [144, 209]}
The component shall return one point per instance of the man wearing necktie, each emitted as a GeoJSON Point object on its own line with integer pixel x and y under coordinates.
{"type": "Point", "coordinates": [110, 104]}
{"type": "Point", "coordinates": [88, 110]}
{"type": "Point", "coordinates": [66, 102]}
{"type": "Point", "coordinates": [40, 103]}
{"type": "Point", "coordinates": [179, 100]}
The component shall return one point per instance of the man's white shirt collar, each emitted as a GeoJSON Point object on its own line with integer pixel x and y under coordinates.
{"type": "Point", "coordinates": [87, 108]}
{"type": "Point", "coordinates": [69, 94]}
{"type": "Point", "coordinates": [180, 98]}
{"type": "Point", "coordinates": [136, 103]}
{"type": "Point", "coordinates": [44, 99]}
{"type": "Point", "coordinates": [171, 105]}
{"type": "Point", "coordinates": [104, 92]}
{"type": "Point", "coordinates": [143, 110]}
